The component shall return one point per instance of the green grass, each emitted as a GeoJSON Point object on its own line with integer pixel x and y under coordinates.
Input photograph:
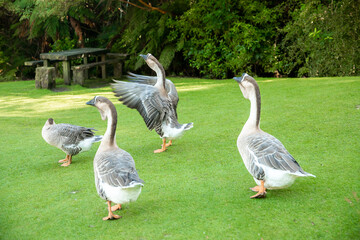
{"type": "Point", "coordinates": [199, 188]}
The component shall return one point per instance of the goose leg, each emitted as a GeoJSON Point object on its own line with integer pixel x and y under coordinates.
{"type": "Point", "coordinates": [65, 164]}
{"type": "Point", "coordinates": [163, 147]}
{"type": "Point", "coordinates": [111, 215]}
{"type": "Point", "coordinates": [116, 207]}
{"type": "Point", "coordinates": [169, 144]}
{"type": "Point", "coordinates": [260, 189]}
{"type": "Point", "coordinates": [64, 160]}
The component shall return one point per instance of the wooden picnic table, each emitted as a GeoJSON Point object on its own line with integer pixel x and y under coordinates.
{"type": "Point", "coordinates": [67, 55]}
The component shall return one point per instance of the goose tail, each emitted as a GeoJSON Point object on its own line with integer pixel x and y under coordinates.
{"type": "Point", "coordinates": [302, 173]}
{"type": "Point", "coordinates": [135, 184]}
{"type": "Point", "coordinates": [188, 126]}
{"type": "Point", "coordinates": [98, 138]}
{"type": "Point", "coordinates": [309, 175]}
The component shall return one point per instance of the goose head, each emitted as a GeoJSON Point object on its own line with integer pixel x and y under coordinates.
{"type": "Point", "coordinates": [247, 85]}
{"type": "Point", "coordinates": [151, 61]}
{"type": "Point", "coordinates": [50, 122]}
{"type": "Point", "coordinates": [102, 104]}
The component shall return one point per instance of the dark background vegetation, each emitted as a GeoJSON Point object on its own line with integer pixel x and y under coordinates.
{"type": "Point", "coordinates": [197, 38]}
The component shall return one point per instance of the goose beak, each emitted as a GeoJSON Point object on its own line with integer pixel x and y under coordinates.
{"type": "Point", "coordinates": [143, 56]}
{"type": "Point", "coordinates": [91, 102]}
{"type": "Point", "coordinates": [240, 79]}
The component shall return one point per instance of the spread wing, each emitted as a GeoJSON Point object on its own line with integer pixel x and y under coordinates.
{"type": "Point", "coordinates": [146, 99]}
{"type": "Point", "coordinates": [169, 86]}
{"type": "Point", "coordinates": [117, 169]}
{"type": "Point", "coordinates": [266, 150]}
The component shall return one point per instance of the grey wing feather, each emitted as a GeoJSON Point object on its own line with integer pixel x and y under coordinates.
{"type": "Point", "coordinates": [142, 78]}
{"type": "Point", "coordinates": [71, 136]}
{"type": "Point", "coordinates": [268, 151]}
{"type": "Point", "coordinates": [150, 80]}
{"type": "Point", "coordinates": [117, 169]}
{"type": "Point", "coordinates": [74, 134]}
{"type": "Point", "coordinates": [144, 98]}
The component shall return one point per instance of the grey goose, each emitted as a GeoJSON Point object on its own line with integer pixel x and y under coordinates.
{"type": "Point", "coordinates": [116, 178]}
{"type": "Point", "coordinates": [156, 102]}
{"type": "Point", "coordinates": [264, 156]}
{"type": "Point", "coordinates": [71, 139]}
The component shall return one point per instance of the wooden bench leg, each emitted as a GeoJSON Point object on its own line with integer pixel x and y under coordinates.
{"type": "Point", "coordinates": [86, 71]}
{"type": "Point", "coordinates": [66, 72]}
{"type": "Point", "coordinates": [118, 70]}
{"type": "Point", "coordinates": [79, 76]}
{"type": "Point", "coordinates": [103, 67]}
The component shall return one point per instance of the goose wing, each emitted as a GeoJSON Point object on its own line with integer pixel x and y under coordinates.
{"type": "Point", "coordinates": [150, 80]}
{"type": "Point", "coordinates": [71, 136]}
{"type": "Point", "coordinates": [117, 168]}
{"type": "Point", "coordinates": [146, 99]}
{"type": "Point", "coordinates": [266, 150]}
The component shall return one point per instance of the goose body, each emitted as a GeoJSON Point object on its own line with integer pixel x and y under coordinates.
{"type": "Point", "coordinates": [71, 139]}
{"type": "Point", "coordinates": [156, 101]}
{"type": "Point", "coordinates": [116, 178]}
{"type": "Point", "coordinates": [264, 156]}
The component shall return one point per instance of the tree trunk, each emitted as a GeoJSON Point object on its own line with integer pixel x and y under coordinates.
{"type": "Point", "coordinates": [76, 26]}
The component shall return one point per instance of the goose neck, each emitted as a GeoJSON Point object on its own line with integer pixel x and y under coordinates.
{"type": "Point", "coordinates": [109, 136]}
{"type": "Point", "coordinates": [160, 73]}
{"type": "Point", "coordinates": [253, 121]}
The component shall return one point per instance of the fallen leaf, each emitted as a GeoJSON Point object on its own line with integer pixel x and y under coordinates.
{"type": "Point", "coordinates": [348, 200]}
{"type": "Point", "coordinates": [355, 196]}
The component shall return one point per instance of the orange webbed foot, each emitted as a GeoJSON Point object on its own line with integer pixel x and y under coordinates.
{"type": "Point", "coordinates": [261, 191]}
{"type": "Point", "coordinates": [65, 160]}
{"type": "Point", "coordinates": [259, 195]}
{"type": "Point", "coordinates": [68, 162]}
{"type": "Point", "coordinates": [255, 189]}
{"type": "Point", "coordinates": [160, 150]}
{"type": "Point", "coordinates": [163, 147]}
{"type": "Point", "coordinates": [168, 144]}
{"type": "Point", "coordinates": [116, 207]}
{"type": "Point", "coordinates": [65, 164]}
{"type": "Point", "coordinates": [111, 217]}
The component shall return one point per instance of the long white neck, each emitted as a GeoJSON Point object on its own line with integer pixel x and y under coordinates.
{"type": "Point", "coordinates": [160, 73]}
{"type": "Point", "coordinates": [253, 122]}
{"type": "Point", "coordinates": [109, 139]}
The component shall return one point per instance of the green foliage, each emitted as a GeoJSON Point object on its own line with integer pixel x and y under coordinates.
{"type": "Point", "coordinates": [63, 44]}
{"type": "Point", "coordinates": [146, 32]}
{"type": "Point", "coordinates": [322, 40]}
{"type": "Point", "coordinates": [215, 39]}
{"type": "Point", "coordinates": [13, 50]}
{"type": "Point", "coordinates": [233, 38]}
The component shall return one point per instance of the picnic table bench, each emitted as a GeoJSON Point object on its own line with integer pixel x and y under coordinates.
{"type": "Point", "coordinates": [67, 55]}
{"type": "Point", "coordinates": [80, 72]}
{"type": "Point", "coordinates": [34, 63]}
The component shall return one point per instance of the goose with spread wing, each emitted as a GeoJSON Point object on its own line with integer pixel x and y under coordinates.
{"type": "Point", "coordinates": [169, 86]}
{"type": "Point", "coordinates": [264, 156]}
{"type": "Point", "coordinates": [71, 139]}
{"type": "Point", "coordinates": [116, 178]}
{"type": "Point", "coordinates": [156, 103]}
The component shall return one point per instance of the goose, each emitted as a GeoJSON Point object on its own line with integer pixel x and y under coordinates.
{"type": "Point", "coordinates": [264, 156]}
{"type": "Point", "coordinates": [156, 103]}
{"type": "Point", "coordinates": [71, 139]}
{"type": "Point", "coordinates": [116, 178]}
{"type": "Point", "coordinates": [169, 86]}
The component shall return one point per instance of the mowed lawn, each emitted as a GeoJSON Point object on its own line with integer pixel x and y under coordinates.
{"type": "Point", "coordinates": [199, 188]}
